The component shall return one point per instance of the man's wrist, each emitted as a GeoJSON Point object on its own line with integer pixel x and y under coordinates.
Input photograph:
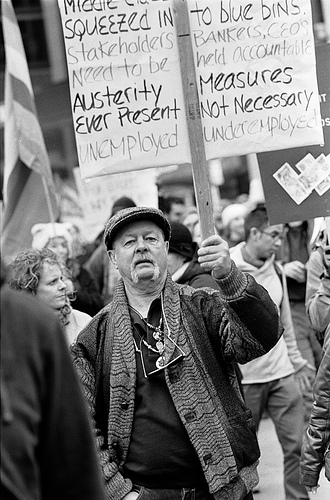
{"type": "Point", "coordinates": [223, 275]}
{"type": "Point", "coordinates": [234, 284]}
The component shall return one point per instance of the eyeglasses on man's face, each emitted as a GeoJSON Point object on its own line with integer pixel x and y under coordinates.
{"type": "Point", "coordinates": [276, 236]}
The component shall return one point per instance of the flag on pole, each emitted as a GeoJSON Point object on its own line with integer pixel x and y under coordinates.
{"type": "Point", "coordinates": [28, 189]}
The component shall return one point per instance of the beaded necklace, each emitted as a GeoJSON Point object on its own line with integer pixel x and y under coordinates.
{"type": "Point", "coordinates": [158, 335]}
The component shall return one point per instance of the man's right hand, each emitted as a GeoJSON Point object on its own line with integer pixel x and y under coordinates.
{"type": "Point", "coordinates": [213, 255]}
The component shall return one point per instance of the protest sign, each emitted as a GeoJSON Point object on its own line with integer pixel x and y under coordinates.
{"type": "Point", "coordinates": [304, 190]}
{"type": "Point", "coordinates": [125, 85]}
{"type": "Point", "coordinates": [255, 66]}
{"type": "Point", "coordinates": [97, 195]}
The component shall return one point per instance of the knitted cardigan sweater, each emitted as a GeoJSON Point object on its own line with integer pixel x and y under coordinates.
{"type": "Point", "coordinates": [214, 329]}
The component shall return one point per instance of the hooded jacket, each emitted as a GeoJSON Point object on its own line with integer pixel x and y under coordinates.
{"type": "Point", "coordinates": [285, 358]}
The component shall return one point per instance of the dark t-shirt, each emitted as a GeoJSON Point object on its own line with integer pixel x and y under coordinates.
{"type": "Point", "coordinates": [160, 453]}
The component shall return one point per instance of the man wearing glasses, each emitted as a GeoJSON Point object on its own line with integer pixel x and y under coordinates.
{"type": "Point", "coordinates": [276, 381]}
{"type": "Point", "coordinates": [157, 368]}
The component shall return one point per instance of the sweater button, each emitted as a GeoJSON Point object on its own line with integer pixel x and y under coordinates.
{"type": "Point", "coordinates": [190, 416]}
{"type": "Point", "coordinates": [124, 406]}
{"type": "Point", "coordinates": [207, 458]}
{"type": "Point", "coordinates": [173, 377]}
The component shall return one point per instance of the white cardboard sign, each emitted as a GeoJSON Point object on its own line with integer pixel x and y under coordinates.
{"type": "Point", "coordinates": [256, 75]}
{"type": "Point", "coordinates": [97, 195]}
{"type": "Point", "coordinates": [125, 84]}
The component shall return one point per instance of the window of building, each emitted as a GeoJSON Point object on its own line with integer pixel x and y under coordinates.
{"type": "Point", "coordinates": [30, 20]}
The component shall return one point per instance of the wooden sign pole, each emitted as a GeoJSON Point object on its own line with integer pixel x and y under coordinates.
{"type": "Point", "coordinates": [199, 163]}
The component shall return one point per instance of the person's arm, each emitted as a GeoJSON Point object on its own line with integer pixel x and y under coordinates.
{"type": "Point", "coordinates": [305, 373]}
{"type": "Point", "coordinates": [69, 467]}
{"type": "Point", "coordinates": [318, 289]}
{"type": "Point", "coordinates": [317, 436]}
{"type": "Point", "coordinates": [256, 317]}
{"type": "Point", "coordinates": [116, 485]}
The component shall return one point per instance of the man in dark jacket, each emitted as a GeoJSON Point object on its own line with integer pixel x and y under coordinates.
{"type": "Point", "coordinates": [156, 366]}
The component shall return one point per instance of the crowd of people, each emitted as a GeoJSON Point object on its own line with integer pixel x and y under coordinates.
{"type": "Point", "coordinates": [179, 347]}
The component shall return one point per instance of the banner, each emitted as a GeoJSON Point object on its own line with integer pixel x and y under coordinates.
{"type": "Point", "coordinates": [28, 188]}
{"type": "Point", "coordinates": [125, 84]}
{"type": "Point", "coordinates": [256, 78]}
{"type": "Point", "coordinates": [296, 181]}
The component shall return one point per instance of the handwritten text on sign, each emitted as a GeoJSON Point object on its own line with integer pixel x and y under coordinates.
{"type": "Point", "coordinates": [256, 77]}
{"type": "Point", "coordinates": [98, 195]}
{"type": "Point", "coordinates": [126, 93]}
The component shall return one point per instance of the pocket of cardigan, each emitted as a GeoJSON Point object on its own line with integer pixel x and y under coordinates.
{"type": "Point", "coordinates": [243, 437]}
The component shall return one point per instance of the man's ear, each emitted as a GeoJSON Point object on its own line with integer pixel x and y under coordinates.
{"type": "Point", "coordinates": [112, 257]}
{"type": "Point", "coordinates": [167, 245]}
{"type": "Point", "coordinates": [253, 233]}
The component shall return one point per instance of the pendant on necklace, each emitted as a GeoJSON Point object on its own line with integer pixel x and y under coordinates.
{"type": "Point", "coordinates": [160, 362]}
{"type": "Point", "coordinates": [160, 346]}
{"type": "Point", "coordinates": [157, 334]}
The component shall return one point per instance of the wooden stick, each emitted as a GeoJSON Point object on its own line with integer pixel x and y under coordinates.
{"type": "Point", "coordinates": [199, 163]}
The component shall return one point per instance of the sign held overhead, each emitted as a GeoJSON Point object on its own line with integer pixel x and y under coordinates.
{"type": "Point", "coordinates": [125, 84]}
{"type": "Point", "coordinates": [255, 66]}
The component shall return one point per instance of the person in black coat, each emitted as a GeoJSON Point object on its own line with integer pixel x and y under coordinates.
{"type": "Point", "coordinates": [315, 452]}
{"type": "Point", "coordinates": [47, 445]}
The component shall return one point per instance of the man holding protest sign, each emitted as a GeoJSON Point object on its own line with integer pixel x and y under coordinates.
{"type": "Point", "coordinates": [157, 368]}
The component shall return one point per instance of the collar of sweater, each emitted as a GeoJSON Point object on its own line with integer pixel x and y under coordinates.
{"type": "Point", "coordinates": [114, 319]}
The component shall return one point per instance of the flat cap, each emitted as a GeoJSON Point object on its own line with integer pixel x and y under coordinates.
{"type": "Point", "coordinates": [135, 214]}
